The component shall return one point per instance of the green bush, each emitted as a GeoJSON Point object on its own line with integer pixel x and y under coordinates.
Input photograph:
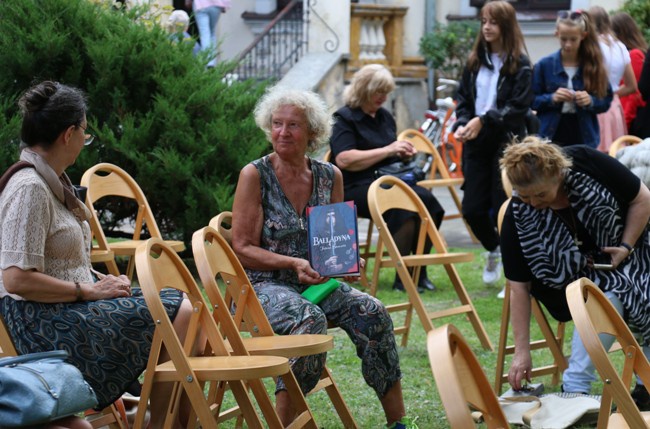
{"type": "Point", "coordinates": [178, 128]}
{"type": "Point", "coordinates": [640, 11]}
{"type": "Point", "coordinates": [447, 47]}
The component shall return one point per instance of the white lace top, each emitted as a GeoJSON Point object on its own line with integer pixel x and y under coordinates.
{"type": "Point", "coordinates": [38, 232]}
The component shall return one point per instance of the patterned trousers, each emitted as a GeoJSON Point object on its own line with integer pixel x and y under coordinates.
{"type": "Point", "coordinates": [361, 316]}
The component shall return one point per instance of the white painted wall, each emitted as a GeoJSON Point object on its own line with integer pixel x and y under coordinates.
{"type": "Point", "coordinates": [336, 15]}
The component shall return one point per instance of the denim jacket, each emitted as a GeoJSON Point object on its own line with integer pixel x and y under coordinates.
{"type": "Point", "coordinates": [548, 76]}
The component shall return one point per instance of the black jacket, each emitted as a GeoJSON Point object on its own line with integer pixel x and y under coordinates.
{"type": "Point", "coordinates": [514, 97]}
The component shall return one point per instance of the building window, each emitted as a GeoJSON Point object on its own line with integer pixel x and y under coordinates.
{"type": "Point", "coordinates": [532, 5]}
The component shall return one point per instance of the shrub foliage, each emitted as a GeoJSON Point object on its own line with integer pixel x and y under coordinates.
{"type": "Point", "coordinates": [640, 11]}
{"type": "Point", "coordinates": [447, 47]}
{"type": "Point", "coordinates": [180, 130]}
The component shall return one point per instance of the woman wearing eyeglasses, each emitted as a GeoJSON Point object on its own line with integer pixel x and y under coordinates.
{"type": "Point", "coordinates": [571, 85]}
{"type": "Point", "coordinates": [49, 298]}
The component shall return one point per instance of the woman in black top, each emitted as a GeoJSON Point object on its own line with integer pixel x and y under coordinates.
{"type": "Point", "coordinates": [573, 208]}
{"type": "Point", "coordinates": [364, 138]}
{"type": "Point", "coordinates": [494, 97]}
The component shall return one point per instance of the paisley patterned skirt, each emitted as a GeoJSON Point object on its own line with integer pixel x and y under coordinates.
{"type": "Point", "coordinates": [108, 340]}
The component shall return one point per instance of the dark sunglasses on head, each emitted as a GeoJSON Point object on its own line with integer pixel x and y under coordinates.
{"type": "Point", "coordinates": [567, 14]}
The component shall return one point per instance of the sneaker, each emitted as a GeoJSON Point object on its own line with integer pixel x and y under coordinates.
{"type": "Point", "coordinates": [641, 397]}
{"type": "Point", "coordinates": [404, 423]}
{"type": "Point", "coordinates": [502, 294]}
{"type": "Point", "coordinates": [493, 267]}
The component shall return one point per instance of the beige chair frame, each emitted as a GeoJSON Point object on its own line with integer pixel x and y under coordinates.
{"type": "Point", "coordinates": [553, 341]}
{"type": "Point", "coordinates": [423, 144]}
{"type": "Point", "coordinates": [461, 382]}
{"type": "Point", "coordinates": [159, 266]}
{"type": "Point", "coordinates": [387, 193]}
{"type": "Point", "coordinates": [215, 259]}
{"type": "Point", "coordinates": [593, 314]}
{"type": "Point", "coordinates": [104, 180]}
{"type": "Point", "coordinates": [619, 143]}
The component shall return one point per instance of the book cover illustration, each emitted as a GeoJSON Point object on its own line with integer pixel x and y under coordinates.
{"type": "Point", "coordinates": [333, 239]}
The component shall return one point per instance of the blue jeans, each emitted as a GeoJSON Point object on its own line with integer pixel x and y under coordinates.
{"type": "Point", "coordinates": [206, 22]}
{"type": "Point", "coordinates": [581, 371]}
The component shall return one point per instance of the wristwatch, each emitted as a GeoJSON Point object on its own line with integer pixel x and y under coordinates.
{"type": "Point", "coordinates": [629, 248]}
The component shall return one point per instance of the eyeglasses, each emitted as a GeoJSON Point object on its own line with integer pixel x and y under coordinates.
{"type": "Point", "coordinates": [88, 137]}
{"type": "Point", "coordinates": [567, 14]}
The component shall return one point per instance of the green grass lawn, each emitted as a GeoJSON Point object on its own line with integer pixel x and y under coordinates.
{"type": "Point", "coordinates": [420, 393]}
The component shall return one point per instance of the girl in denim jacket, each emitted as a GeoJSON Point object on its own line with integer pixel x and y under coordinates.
{"type": "Point", "coordinates": [571, 85]}
{"type": "Point", "coordinates": [494, 96]}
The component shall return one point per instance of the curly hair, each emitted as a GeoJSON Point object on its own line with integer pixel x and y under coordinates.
{"type": "Point", "coordinates": [319, 120]}
{"type": "Point", "coordinates": [532, 161]}
{"type": "Point", "coordinates": [370, 79]}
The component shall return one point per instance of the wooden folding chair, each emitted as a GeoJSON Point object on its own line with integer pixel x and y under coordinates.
{"type": "Point", "coordinates": [108, 180]}
{"type": "Point", "coordinates": [388, 193]}
{"type": "Point", "coordinates": [438, 168]}
{"type": "Point", "coordinates": [622, 141]}
{"type": "Point", "coordinates": [461, 382]}
{"type": "Point", "coordinates": [593, 314]}
{"type": "Point", "coordinates": [216, 259]}
{"type": "Point", "coordinates": [554, 342]}
{"type": "Point", "coordinates": [159, 267]}
{"type": "Point", "coordinates": [112, 416]}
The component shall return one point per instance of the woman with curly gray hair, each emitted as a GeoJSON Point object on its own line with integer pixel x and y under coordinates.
{"type": "Point", "coordinates": [270, 239]}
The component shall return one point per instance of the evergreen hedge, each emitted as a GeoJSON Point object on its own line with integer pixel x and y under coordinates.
{"type": "Point", "coordinates": [178, 128]}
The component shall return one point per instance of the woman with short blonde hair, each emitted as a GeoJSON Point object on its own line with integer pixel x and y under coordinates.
{"type": "Point", "coordinates": [575, 212]}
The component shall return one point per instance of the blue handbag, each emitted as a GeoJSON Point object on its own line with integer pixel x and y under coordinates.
{"type": "Point", "coordinates": [40, 387]}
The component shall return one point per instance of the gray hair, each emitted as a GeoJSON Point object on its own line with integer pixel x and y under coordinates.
{"type": "Point", "coordinates": [319, 120]}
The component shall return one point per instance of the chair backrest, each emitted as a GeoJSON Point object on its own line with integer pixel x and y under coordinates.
{"type": "Point", "coordinates": [592, 315]}
{"type": "Point", "coordinates": [215, 259]}
{"type": "Point", "coordinates": [460, 380]}
{"type": "Point", "coordinates": [619, 143]}
{"type": "Point", "coordinates": [106, 180]}
{"type": "Point", "coordinates": [327, 156]}
{"type": "Point", "coordinates": [159, 267]}
{"type": "Point", "coordinates": [423, 144]}
{"type": "Point", "coordinates": [223, 224]}
{"type": "Point", "coordinates": [389, 192]}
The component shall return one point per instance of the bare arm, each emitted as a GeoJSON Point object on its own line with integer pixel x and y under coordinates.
{"type": "Point", "coordinates": [357, 160]}
{"type": "Point", "coordinates": [636, 221]}
{"type": "Point", "coordinates": [35, 286]}
{"type": "Point", "coordinates": [521, 365]}
{"type": "Point", "coordinates": [247, 222]}
{"type": "Point", "coordinates": [629, 82]}
{"type": "Point", "coordinates": [337, 192]}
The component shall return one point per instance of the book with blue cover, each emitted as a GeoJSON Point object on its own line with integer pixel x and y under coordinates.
{"type": "Point", "coordinates": [333, 239]}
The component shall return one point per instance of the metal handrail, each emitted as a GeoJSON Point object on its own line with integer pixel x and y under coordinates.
{"type": "Point", "coordinates": [282, 43]}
